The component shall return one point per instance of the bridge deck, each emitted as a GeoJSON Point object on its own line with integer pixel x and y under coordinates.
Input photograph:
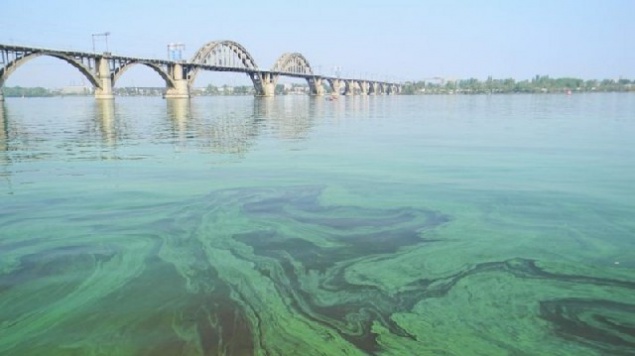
{"type": "Point", "coordinates": [189, 65]}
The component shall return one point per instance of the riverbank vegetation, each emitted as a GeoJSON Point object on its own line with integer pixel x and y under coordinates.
{"type": "Point", "coordinates": [538, 84]}
{"type": "Point", "coordinates": [27, 92]}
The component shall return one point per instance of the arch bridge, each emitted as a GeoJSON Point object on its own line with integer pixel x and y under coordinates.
{"type": "Point", "coordinates": [102, 70]}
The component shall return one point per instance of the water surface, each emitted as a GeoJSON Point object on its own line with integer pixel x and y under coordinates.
{"type": "Point", "coordinates": [380, 225]}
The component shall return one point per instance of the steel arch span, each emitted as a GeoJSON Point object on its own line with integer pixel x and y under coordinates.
{"type": "Point", "coordinates": [157, 68]}
{"type": "Point", "coordinates": [222, 54]}
{"type": "Point", "coordinates": [292, 63]}
{"type": "Point", "coordinates": [12, 66]}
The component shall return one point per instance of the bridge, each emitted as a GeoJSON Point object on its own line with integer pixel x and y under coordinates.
{"type": "Point", "coordinates": [102, 70]}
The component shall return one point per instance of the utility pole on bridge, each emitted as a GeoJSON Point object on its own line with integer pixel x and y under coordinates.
{"type": "Point", "coordinates": [105, 35]}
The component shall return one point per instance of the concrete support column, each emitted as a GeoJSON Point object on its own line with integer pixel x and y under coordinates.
{"type": "Point", "coordinates": [349, 88]}
{"type": "Point", "coordinates": [104, 90]}
{"type": "Point", "coordinates": [336, 86]}
{"type": "Point", "coordinates": [265, 84]}
{"type": "Point", "coordinates": [372, 88]}
{"type": "Point", "coordinates": [315, 86]}
{"type": "Point", "coordinates": [268, 87]}
{"type": "Point", "coordinates": [364, 87]}
{"type": "Point", "coordinates": [181, 88]}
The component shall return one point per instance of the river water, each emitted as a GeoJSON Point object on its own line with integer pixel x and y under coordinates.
{"type": "Point", "coordinates": [399, 225]}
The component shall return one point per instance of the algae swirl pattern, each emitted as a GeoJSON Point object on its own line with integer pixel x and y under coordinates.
{"type": "Point", "coordinates": [277, 271]}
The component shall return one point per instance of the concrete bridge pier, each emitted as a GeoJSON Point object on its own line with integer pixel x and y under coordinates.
{"type": "Point", "coordinates": [264, 83]}
{"type": "Point", "coordinates": [1, 95]}
{"type": "Point", "coordinates": [336, 86]}
{"type": "Point", "coordinates": [180, 88]}
{"type": "Point", "coordinates": [104, 90]}
{"type": "Point", "coordinates": [315, 86]}
{"type": "Point", "coordinates": [349, 88]}
{"type": "Point", "coordinates": [373, 88]}
{"type": "Point", "coordinates": [364, 87]}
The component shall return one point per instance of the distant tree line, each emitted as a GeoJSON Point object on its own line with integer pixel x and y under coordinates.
{"type": "Point", "coordinates": [249, 89]}
{"type": "Point", "coordinates": [538, 84]}
{"type": "Point", "coordinates": [227, 90]}
{"type": "Point", "coordinates": [26, 92]}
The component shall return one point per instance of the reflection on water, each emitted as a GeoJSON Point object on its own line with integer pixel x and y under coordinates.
{"type": "Point", "coordinates": [226, 127]}
{"type": "Point", "coordinates": [364, 225]}
{"type": "Point", "coordinates": [234, 130]}
{"type": "Point", "coordinates": [4, 130]}
{"type": "Point", "coordinates": [292, 119]}
{"type": "Point", "coordinates": [106, 123]}
{"type": "Point", "coordinates": [4, 148]}
{"type": "Point", "coordinates": [179, 113]}
{"type": "Point", "coordinates": [14, 135]}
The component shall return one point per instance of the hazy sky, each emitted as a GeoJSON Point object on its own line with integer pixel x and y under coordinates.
{"type": "Point", "coordinates": [390, 39]}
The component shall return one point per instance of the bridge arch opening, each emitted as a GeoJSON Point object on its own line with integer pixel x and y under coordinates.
{"type": "Point", "coordinates": [292, 86]}
{"type": "Point", "coordinates": [222, 83]}
{"type": "Point", "coordinates": [140, 78]}
{"type": "Point", "coordinates": [44, 70]}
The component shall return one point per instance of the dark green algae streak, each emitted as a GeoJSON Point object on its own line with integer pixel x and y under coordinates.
{"type": "Point", "coordinates": [276, 271]}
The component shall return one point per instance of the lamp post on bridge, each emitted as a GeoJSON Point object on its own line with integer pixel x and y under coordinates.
{"type": "Point", "coordinates": [105, 35]}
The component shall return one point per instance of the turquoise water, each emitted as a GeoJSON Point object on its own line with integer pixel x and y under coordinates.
{"type": "Point", "coordinates": [453, 225]}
